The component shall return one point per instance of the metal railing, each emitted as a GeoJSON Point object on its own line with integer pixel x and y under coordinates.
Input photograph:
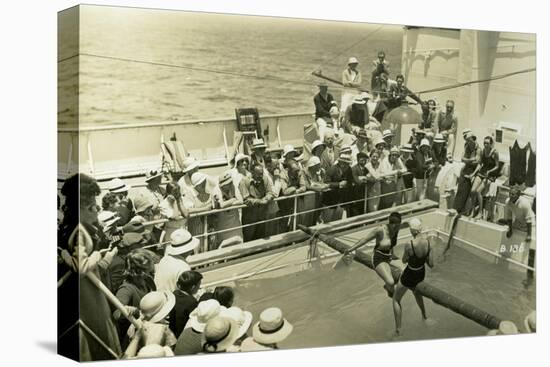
{"type": "Point", "coordinates": [293, 217]}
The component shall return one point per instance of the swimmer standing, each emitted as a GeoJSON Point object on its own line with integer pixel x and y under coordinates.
{"type": "Point", "coordinates": [386, 240]}
{"type": "Point", "coordinates": [416, 254]}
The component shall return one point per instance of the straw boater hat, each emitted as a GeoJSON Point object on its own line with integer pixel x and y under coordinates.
{"type": "Point", "coordinates": [353, 60]}
{"type": "Point", "coordinates": [272, 327]}
{"type": "Point", "coordinates": [362, 133]}
{"type": "Point", "coordinates": [197, 178]}
{"type": "Point", "coordinates": [289, 148]}
{"type": "Point", "coordinates": [205, 311]}
{"type": "Point", "coordinates": [219, 334]}
{"type": "Point", "coordinates": [466, 132]}
{"type": "Point", "coordinates": [387, 134]}
{"type": "Point", "coordinates": [225, 179]}
{"type": "Point", "coordinates": [366, 95]}
{"type": "Point", "coordinates": [151, 175]}
{"type": "Point", "coordinates": [189, 164]}
{"type": "Point", "coordinates": [346, 149]}
{"type": "Point", "coordinates": [316, 144]}
{"type": "Point", "coordinates": [407, 148]}
{"type": "Point", "coordinates": [142, 203]}
{"type": "Point", "coordinates": [258, 143]}
{"type": "Point", "coordinates": [117, 186]}
{"type": "Point", "coordinates": [379, 141]}
{"type": "Point", "coordinates": [322, 84]}
{"type": "Point", "coordinates": [394, 150]}
{"type": "Point", "coordinates": [345, 158]}
{"type": "Point", "coordinates": [181, 241]}
{"type": "Point", "coordinates": [240, 156]}
{"type": "Point", "coordinates": [313, 161]}
{"type": "Point", "coordinates": [439, 138]}
{"type": "Point", "coordinates": [155, 351]}
{"type": "Point", "coordinates": [358, 100]}
{"type": "Point", "coordinates": [242, 318]}
{"type": "Point", "coordinates": [424, 142]}
{"type": "Point", "coordinates": [155, 306]}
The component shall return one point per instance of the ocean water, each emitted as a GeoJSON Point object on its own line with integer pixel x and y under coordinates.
{"type": "Point", "coordinates": [280, 53]}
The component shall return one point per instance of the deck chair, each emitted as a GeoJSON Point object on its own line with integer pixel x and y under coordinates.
{"type": "Point", "coordinates": [173, 155]}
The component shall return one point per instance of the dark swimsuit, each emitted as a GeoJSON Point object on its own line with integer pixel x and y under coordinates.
{"type": "Point", "coordinates": [380, 256]}
{"type": "Point", "coordinates": [414, 272]}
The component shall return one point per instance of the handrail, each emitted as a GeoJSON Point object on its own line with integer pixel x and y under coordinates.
{"type": "Point", "coordinates": [81, 129]}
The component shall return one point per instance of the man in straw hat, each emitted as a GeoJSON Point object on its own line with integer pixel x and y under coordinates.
{"type": "Point", "coordinates": [228, 220]}
{"type": "Point", "coordinates": [392, 168]}
{"type": "Point", "coordinates": [359, 174]}
{"type": "Point", "coordinates": [315, 181]}
{"type": "Point", "coordinates": [173, 263]}
{"type": "Point", "coordinates": [267, 333]}
{"type": "Point", "coordinates": [257, 193]}
{"type": "Point", "coordinates": [337, 179]}
{"type": "Point", "coordinates": [356, 115]}
{"type": "Point", "coordinates": [360, 145]}
{"type": "Point", "coordinates": [407, 152]}
{"type": "Point", "coordinates": [190, 166]}
{"type": "Point", "coordinates": [190, 340]}
{"type": "Point", "coordinates": [351, 80]}
{"type": "Point", "coordinates": [323, 102]}
{"type": "Point", "coordinates": [125, 206]}
{"type": "Point", "coordinates": [258, 152]}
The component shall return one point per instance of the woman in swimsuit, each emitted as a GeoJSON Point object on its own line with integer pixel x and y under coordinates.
{"type": "Point", "coordinates": [386, 239]}
{"type": "Point", "coordinates": [415, 255]}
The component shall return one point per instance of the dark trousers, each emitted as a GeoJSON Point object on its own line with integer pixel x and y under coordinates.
{"type": "Point", "coordinates": [253, 214]}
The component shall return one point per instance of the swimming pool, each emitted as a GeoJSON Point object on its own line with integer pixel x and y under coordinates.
{"type": "Point", "coordinates": [331, 307]}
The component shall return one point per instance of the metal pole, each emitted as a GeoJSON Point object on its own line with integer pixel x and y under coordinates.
{"type": "Point", "coordinates": [295, 210]}
{"type": "Point", "coordinates": [365, 200]}
{"type": "Point", "coordinates": [205, 234]}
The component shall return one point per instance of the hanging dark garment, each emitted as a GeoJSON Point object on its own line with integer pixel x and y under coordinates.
{"type": "Point", "coordinates": [531, 175]}
{"type": "Point", "coordinates": [518, 162]}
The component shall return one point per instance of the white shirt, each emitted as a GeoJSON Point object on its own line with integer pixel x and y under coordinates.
{"type": "Point", "coordinates": [168, 271]}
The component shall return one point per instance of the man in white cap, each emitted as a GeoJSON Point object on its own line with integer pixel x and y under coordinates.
{"type": "Point", "coordinates": [338, 177]}
{"type": "Point", "coordinates": [351, 80]}
{"type": "Point", "coordinates": [267, 333]}
{"type": "Point", "coordinates": [173, 263]}
{"type": "Point", "coordinates": [392, 169]}
{"type": "Point", "coordinates": [359, 174]}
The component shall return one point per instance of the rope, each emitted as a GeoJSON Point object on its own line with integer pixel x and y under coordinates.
{"type": "Point", "coordinates": [354, 44]}
{"type": "Point", "coordinates": [458, 85]}
{"type": "Point", "coordinates": [215, 71]}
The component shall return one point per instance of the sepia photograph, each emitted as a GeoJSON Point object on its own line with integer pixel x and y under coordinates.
{"type": "Point", "coordinates": [236, 183]}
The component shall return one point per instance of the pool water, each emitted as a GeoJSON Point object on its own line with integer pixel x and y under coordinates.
{"type": "Point", "coordinates": [348, 305]}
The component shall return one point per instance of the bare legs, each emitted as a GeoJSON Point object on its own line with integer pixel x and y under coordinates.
{"type": "Point", "coordinates": [384, 271]}
{"type": "Point", "coordinates": [400, 291]}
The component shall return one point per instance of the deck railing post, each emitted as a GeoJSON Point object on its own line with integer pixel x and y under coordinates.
{"type": "Point", "coordinates": [205, 234]}
{"type": "Point", "coordinates": [295, 212]}
{"type": "Point", "coordinates": [365, 200]}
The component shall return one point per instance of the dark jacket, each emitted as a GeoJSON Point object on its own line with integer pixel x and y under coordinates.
{"type": "Point", "coordinates": [185, 304]}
